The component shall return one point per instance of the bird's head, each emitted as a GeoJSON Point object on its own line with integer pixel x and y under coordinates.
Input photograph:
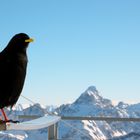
{"type": "Point", "coordinates": [19, 42]}
{"type": "Point", "coordinates": [21, 39]}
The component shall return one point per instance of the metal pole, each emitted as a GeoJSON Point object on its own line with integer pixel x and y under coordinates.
{"type": "Point", "coordinates": [100, 118]}
{"type": "Point", "coordinates": [52, 132]}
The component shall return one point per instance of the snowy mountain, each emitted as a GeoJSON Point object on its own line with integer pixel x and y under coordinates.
{"type": "Point", "coordinates": [90, 103]}
{"type": "Point", "coordinates": [130, 136]}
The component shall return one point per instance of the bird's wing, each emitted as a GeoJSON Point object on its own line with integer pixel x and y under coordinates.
{"type": "Point", "coordinates": [5, 80]}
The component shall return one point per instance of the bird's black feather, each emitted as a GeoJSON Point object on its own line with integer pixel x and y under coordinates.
{"type": "Point", "coordinates": [13, 64]}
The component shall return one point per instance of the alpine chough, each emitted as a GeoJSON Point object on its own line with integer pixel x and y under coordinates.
{"type": "Point", "coordinates": [13, 64]}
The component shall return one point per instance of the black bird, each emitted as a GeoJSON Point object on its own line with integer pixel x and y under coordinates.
{"type": "Point", "coordinates": [13, 64]}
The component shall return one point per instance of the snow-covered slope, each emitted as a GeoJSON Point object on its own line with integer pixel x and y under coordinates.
{"type": "Point", "coordinates": [90, 103]}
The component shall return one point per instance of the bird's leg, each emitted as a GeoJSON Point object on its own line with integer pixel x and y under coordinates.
{"type": "Point", "coordinates": [6, 118]}
{"type": "Point", "coordinates": [4, 115]}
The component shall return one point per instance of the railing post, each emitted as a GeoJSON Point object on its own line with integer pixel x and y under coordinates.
{"type": "Point", "coordinates": [53, 132]}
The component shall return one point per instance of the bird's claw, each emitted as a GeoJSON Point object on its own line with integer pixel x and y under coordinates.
{"type": "Point", "coordinates": [6, 121]}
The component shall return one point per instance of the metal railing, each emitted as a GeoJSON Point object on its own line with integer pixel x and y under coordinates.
{"type": "Point", "coordinates": [53, 129]}
{"type": "Point", "coordinates": [101, 118]}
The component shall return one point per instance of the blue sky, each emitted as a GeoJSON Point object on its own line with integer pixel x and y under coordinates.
{"type": "Point", "coordinates": [78, 43]}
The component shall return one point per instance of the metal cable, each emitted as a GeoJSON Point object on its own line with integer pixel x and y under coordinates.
{"type": "Point", "coordinates": [78, 130]}
{"type": "Point", "coordinates": [66, 123]}
{"type": "Point", "coordinates": [34, 103]}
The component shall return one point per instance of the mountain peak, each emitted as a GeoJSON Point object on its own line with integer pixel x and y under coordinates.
{"type": "Point", "coordinates": [91, 95]}
{"type": "Point", "coordinates": [92, 91]}
{"type": "Point", "coordinates": [92, 88]}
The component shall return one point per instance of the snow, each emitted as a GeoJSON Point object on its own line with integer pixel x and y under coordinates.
{"type": "Point", "coordinates": [39, 123]}
{"type": "Point", "coordinates": [90, 103]}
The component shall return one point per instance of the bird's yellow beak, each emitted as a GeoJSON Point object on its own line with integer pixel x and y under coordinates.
{"type": "Point", "coordinates": [29, 40]}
